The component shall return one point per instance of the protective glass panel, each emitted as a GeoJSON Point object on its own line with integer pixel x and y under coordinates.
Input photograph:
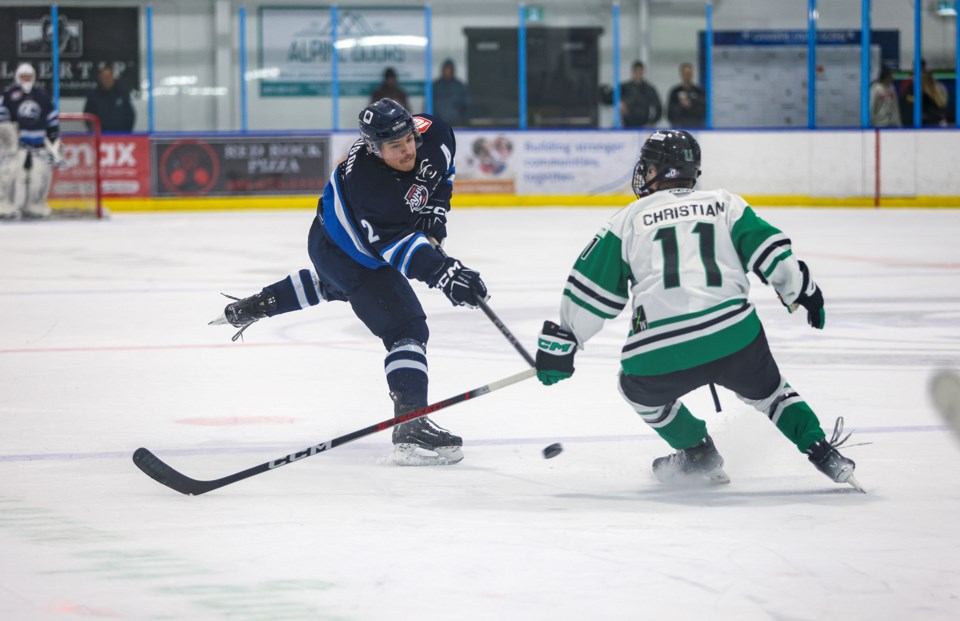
{"type": "Point", "coordinates": [760, 64]}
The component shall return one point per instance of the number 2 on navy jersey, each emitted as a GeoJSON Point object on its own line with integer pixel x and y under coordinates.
{"type": "Point", "coordinates": [669, 244]}
{"type": "Point", "coordinates": [371, 236]}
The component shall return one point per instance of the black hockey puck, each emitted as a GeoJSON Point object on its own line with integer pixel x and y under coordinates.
{"type": "Point", "coordinates": [552, 451]}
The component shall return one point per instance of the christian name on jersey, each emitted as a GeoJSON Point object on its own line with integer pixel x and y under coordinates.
{"type": "Point", "coordinates": [680, 212]}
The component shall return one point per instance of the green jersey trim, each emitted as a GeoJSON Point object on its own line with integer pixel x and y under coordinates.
{"type": "Point", "coordinates": [678, 318]}
{"type": "Point", "coordinates": [700, 349]}
{"type": "Point", "coordinates": [773, 264]}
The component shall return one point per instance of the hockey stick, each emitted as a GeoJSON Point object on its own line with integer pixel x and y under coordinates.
{"type": "Point", "coordinates": [716, 399]}
{"type": "Point", "coordinates": [506, 332]}
{"type": "Point", "coordinates": [159, 471]}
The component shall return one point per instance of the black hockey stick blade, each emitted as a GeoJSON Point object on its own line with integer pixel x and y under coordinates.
{"type": "Point", "coordinates": [162, 473]}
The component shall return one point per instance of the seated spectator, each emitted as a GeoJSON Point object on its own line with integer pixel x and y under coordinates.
{"type": "Point", "coordinates": [110, 102]}
{"type": "Point", "coordinates": [390, 89]}
{"type": "Point", "coordinates": [884, 103]}
{"type": "Point", "coordinates": [451, 101]}
{"type": "Point", "coordinates": [687, 102]}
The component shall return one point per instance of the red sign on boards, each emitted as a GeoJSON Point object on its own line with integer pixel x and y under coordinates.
{"type": "Point", "coordinates": [124, 165]}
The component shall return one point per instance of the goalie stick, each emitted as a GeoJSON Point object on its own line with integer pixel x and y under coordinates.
{"type": "Point", "coordinates": [159, 471]}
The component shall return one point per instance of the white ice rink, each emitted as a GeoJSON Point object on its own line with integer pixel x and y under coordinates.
{"type": "Point", "coordinates": [104, 348]}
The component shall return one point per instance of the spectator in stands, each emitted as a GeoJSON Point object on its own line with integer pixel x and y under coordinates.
{"type": "Point", "coordinates": [933, 100]}
{"type": "Point", "coordinates": [639, 101]}
{"type": "Point", "coordinates": [390, 89]}
{"type": "Point", "coordinates": [110, 103]}
{"type": "Point", "coordinates": [451, 101]}
{"type": "Point", "coordinates": [687, 102]}
{"type": "Point", "coordinates": [884, 103]}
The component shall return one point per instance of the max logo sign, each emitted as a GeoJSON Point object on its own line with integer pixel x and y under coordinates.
{"type": "Point", "coordinates": [81, 155]}
{"type": "Point", "coordinates": [118, 154]}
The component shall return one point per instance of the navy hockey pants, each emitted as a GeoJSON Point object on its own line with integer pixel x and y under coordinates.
{"type": "Point", "coordinates": [382, 298]}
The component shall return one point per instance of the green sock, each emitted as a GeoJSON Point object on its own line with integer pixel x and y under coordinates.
{"type": "Point", "coordinates": [684, 429]}
{"type": "Point", "coordinates": [801, 426]}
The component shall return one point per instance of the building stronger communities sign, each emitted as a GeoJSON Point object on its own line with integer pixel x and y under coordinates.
{"type": "Point", "coordinates": [296, 50]}
{"type": "Point", "coordinates": [89, 39]}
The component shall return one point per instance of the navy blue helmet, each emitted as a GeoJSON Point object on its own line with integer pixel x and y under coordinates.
{"type": "Point", "coordinates": [674, 153]}
{"type": "Point", "coordinates": [383, 121]}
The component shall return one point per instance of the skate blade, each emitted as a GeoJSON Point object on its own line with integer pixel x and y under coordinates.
{"type": "Point", "coordinates": [408, 455]}
{"type": "Point", "coordinates": [219, 320]}
{"type": "Point", "coordinates": [855, 484]}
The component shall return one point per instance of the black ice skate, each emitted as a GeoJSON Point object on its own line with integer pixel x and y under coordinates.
{"type": "Point", "coordinates": [828, 460]}
{"type": "Point", "coordinates": [242, 313]}
{"type": "Point", "coordinates": [698, 465]}
{"type": "Point", "coordinates": [423, 434]}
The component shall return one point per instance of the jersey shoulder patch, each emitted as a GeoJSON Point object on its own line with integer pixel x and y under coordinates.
{"type": "Point", "coordinates": [422, 123]}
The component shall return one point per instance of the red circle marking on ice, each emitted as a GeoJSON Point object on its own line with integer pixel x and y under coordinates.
{"type": "Point", "coordinates": [227, 421]}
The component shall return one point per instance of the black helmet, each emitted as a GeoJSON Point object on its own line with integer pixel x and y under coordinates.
{"type": "Point", "coordinates": [674, 153]}
{"type": "Point", "coordinates": [383, 121]}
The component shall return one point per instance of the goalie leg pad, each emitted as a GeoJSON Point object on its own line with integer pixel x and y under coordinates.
{"type": "Point", "coordinates": [39, 175]}
{"type": "Point", "coordinates": [10, 170]}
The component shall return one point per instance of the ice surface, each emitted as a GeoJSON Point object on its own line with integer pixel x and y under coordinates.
{"type": "Point", "coordinates": [104, 347]}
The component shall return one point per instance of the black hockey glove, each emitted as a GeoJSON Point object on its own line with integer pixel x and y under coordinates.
{"type": "Point", "coordinates": [434, 222]}
{"type": "Point", "coordinates": [812, 302]}
{"type": "Point", "coordinates": [460, 284]}
{"type": "Point", "coordinates": [555, 350]}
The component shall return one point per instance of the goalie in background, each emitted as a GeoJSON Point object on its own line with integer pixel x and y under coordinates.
{"type": "Point", "coordinates": [26, 160]}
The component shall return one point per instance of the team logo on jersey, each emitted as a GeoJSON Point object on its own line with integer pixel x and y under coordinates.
{"type": "Point", "coordinates": [426, 171]}
{"type": "Point", "coordinates": [639, 320]}
{"type": "Point", "coordinates": [29, 109]}
{"type": "Point", "coordinates": [416, 197]}
{"type": "Point", "coordinates": [422, 123]}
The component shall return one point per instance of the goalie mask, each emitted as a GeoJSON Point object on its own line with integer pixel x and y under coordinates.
{"type": "Point", "coordinates": [383, 121]}
{"type": "Point", "coordinates": [25, 77]}
{"type": "Point", "coordinates": [673, 154]}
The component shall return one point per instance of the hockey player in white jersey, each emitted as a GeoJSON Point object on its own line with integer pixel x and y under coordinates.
{"type": "Point", "coordinates": [26, 171]}
{"type": "Point", "coordinates": [679, 258]}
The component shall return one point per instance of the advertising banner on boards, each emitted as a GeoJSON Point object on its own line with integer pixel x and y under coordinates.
{"type": "Point", "coordinates": [545, 162]}
{"type": "Point", "coordinates": [239, 166]}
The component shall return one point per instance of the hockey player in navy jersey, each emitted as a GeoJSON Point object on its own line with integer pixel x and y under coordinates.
{"type": "Point", "coordinates": [378, 215]}
{"type": "Point", "coordinates": [26, 162]}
